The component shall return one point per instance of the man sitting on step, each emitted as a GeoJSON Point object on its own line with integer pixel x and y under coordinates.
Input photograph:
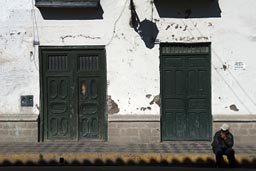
{"type": "Point", "coordinates": [222, 145]}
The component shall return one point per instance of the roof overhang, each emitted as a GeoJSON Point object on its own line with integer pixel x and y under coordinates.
{"type": "Point", "coordinates": [67, 3]}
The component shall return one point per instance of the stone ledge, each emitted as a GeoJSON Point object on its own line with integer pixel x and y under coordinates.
{"type": "Point", "coordinates": [134, 118]}
{"type": "Point", "coordinates": [156, 118]}
{"type": "Point", "coordinates": [18, 117]}
{"type": "Point", "coordinates": [234, 118]}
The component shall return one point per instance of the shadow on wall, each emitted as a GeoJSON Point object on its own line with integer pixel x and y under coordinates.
{"type": "Point", "coordinates": [188, 8]}
{"type": "Point", "coordinates": [147, 29]}
{"type": "Point", "coordinates": [72, 13]}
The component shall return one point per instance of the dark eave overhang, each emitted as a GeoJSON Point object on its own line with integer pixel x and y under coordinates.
{"type": "Point", "coordinates": [67, 3]}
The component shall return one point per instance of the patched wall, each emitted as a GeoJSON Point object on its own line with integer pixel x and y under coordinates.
{"type": "Point", "coordinates": [133, 74]}
{"type": "Point", "coordinates": [132, 67]}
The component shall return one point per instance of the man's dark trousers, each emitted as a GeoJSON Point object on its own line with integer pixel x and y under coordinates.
{"type": "Point", "coordinates": [229, 152]}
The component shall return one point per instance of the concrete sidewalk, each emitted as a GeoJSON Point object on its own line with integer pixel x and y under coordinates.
{"type": "Point", "coordinates": [104, 153]}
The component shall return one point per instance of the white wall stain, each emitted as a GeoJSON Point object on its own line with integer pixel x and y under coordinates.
{"type": "Point", "coordinates": [132, 69]}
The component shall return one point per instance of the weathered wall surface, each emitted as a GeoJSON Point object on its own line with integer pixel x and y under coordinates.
{"type": "Point", "coordinates": [132, 68]}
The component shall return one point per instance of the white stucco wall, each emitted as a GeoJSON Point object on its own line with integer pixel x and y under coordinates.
{"type": "Point", "coordinates": [132, 68]}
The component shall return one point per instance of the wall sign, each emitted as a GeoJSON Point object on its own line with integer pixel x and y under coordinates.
{"type": "Point", "coordinates": [239, 66]}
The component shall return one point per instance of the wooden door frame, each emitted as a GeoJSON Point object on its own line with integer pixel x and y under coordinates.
{"type": "Point", "coordinates": [161, 84]}
{"type": "Point", "coordinates": [41, 124]}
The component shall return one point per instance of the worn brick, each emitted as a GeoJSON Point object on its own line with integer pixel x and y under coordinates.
{"type": "Point", "coordinates": [144, 132]}
{"type": "Point", "coordinates": [26, 133]}
{"type": "Point", "coordinates": [235, 131]}
{"type": "Point", "coordinates": [8, 139]}
{"type": "Point", "coordinates": [32, 139]}
{"type": "Point", "coordinates": [114, 132]}
{"type": "Point", "coordinates": [112, 125]}
{"type": "Point", "coordinates": [154, 139]}
{"type": "Point", "coordinates": [21, 139]}
{"type": "Point", "coordinates": [247, 125]}
{"type": "Point", "coordinates": [144, 139]}
{"type": "Point", "coordinates": [235, 125]}
{"type": "Point", "coordinates": [132, 132]}
{"type": "Point", "coordinates": [155, 131]}
{"type": "Point", "coordinates": [13, 132]}
{"type": "Point", "coordinates": [8, 125]}
{"type": "Point", "coordinates": [124, 125]}
{"type": "Point", "coordinates": [139, 125]}
{"type": "Point", "coordinates": [120, 139]}
{"type": "Point", "coordinates": [245, 140]}
{"type": "Point", "coordinates": [152, 124]}
{"type": "Point", "coordinates": [252, 132]}
{"type": "Point", "coordinates": [135, 139]}
{"type": "Point", "coordinates": [3, 132]}
{"type": "Point", "coordinates": [31, 125]}
{"type": "Point", "coordinates": [242, 132]}
{"type": "Point", "coordinates": [122, 131]}
{"type": "Point", "coordinates": [20, 124]}
{"type": "Point", "coordinates": [34, 132]}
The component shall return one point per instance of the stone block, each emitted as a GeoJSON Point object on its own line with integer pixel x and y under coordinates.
{"type": "Point", "coordinates": [252, 132]}
{"type": "Point", "coordinates": [155, 131]}
{"type": "Point", "coordinates": [125, 125]}
{"type": "Point", "coordinates": [8, 125]}
{"type": "Point", "coordinates": [235, 131]}
{"type": "Point", "coordinates": [31, 125]}
{"type": "Point", "coordinates": [144, 139]}
{"type": "Point", "coordinates": [242, 132]}
{"type": "Point", "coordinates": [152, 125]}
{"type": "Point", "coordinates": [120, 139]}
{"type": "Point", "coordinates": [113, 132]}
{"type": "Point", "coordinates": [144, 132]}
{"type": "Point", "coordinates": [135, 139]}
{"type": "Point", "coordinates": [3, 132]}
{"type": "Point", "coordinates": [132, 132]}
{"type": "Point", "coordinates": [247, 125]}
{"type": "Point", "coordinates": [13, 133]}
{"type": "Point", "coordinates": [34, 132]}
{"type": "Point", "coordinates": [112, 125]}
{"type": "Point", "coordinates": [20, 125]}
{"type": "Point", "coordinates": [122, 132]}
{"type": "Point", "coordinates": [26, 133]}
{"type": "Point", "coordinates": [139, 125]}
{"type": "Point", "coordinates": [154, 139]}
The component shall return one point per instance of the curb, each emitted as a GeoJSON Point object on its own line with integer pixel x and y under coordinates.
{"type": "Point", "coordinates": [118, 159]}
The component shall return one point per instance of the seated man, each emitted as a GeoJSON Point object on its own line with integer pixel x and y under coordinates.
{"type": "Point", "coordinates": [222, 145]}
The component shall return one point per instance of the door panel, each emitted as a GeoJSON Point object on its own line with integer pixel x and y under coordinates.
{"type": "Point", "coordinates": [74, 91]}
{"type": "Point", "coordinates": [89, 103]}
{"type": "Point", "coordinates": [58, 108]}
{"type": "Point", "coordinates": [185, 92]}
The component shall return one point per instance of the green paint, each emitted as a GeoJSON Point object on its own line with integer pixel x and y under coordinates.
{"type": "Point", "coordinates": [73, 92]}
{"type": "Point", "coordinates": [185, 92]}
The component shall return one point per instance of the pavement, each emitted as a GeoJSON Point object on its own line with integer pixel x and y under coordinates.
{"type": "Point", "coordinates": [174, 154]}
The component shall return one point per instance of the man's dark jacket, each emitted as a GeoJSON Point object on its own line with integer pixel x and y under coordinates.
{"type": "Point", "coordinates": [218, 142]}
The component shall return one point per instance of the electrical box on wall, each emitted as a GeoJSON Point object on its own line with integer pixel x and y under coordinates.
{"type": "Point", "coordinates": [26, 101]}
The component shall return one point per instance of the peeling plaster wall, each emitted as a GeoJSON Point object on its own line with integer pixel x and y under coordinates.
{"type": "Point", "coordinates": [132, 69]}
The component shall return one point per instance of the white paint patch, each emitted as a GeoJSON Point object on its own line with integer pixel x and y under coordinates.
{"type": "Point", "coordinates": [132, 69]}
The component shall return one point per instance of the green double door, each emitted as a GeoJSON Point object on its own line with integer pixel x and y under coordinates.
{"type": "Point", "coordinates": [185, 92]}
{"type": "Point", "coordinates": [73, 91]}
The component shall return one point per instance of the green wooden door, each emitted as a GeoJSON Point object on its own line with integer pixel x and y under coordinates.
{"type": "Point", "coordinates": [73, 81]}
{"type": "Point", "coordinates": [185, 92]}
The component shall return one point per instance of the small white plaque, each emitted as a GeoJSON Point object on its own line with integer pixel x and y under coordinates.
{"type": "Point", "coordinates": [239, 66]}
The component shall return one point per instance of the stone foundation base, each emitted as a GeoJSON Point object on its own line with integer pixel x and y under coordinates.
{"type": "Point", "coordinates": [134, 129]}
{"type": "Point", "coordinates": [146, 128]}
{"type": "Point", "coordinates": [127, 128]}
{"type": "Point", "coordinates": [18, 128]}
